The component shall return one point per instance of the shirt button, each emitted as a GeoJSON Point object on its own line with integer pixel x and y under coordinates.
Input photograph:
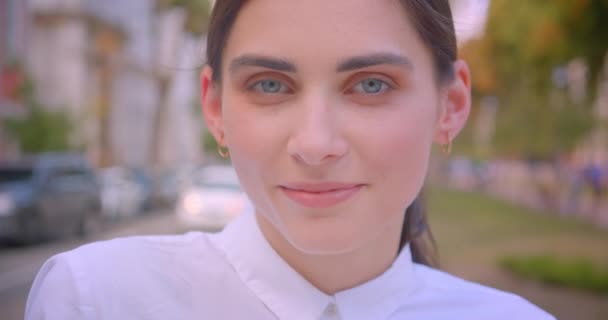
{"type": "Point", "coordinates": [331, 310]}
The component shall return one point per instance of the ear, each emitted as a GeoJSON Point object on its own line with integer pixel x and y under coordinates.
{"type": "Point", "coordinates": [455, 105]}
{"type": "Point", "coordinates": [212, 105]}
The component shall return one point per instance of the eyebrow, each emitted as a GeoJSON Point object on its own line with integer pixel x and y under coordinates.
{"type": "Point", "coordinates": [360, 62]}
{"type": "Point", "coordinates": [353, 63]}
{"type": "Point", "coordinates": [262, 61]}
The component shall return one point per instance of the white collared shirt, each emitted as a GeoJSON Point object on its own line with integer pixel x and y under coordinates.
{"type": "Point", "coordinates": [237, 275]}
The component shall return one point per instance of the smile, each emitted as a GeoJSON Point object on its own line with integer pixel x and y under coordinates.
{"type": "Point", "coordinates": [320, 195]}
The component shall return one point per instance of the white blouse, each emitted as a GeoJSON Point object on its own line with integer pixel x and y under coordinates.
{"type": "Point", "coordinates": [236, 274]}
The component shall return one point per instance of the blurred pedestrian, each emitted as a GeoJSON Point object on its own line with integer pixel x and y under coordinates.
{"type": "Point", "coordinates": [594, 177]}
{"type": "Point", "coordinates": [328, 111]}
{"type": "Point", "coordinates": [573, 182]}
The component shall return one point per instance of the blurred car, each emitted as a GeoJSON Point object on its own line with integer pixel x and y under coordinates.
{"type": "Point", "coordinates": [47, 196]}
{"type": "Point", "coordinates": [145, 181]}
{"type": "Point", "coordinates": [170, 185]}
{"type": "Point", "coordinates": [121, 195]}
{"type": "Point", "coordinates": [212, 200]}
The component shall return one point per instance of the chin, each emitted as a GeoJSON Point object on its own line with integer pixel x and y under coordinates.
{"type": "Point", "coordinates": [323, 236]}
{"type": "Point", "coordinates": [329, 231]}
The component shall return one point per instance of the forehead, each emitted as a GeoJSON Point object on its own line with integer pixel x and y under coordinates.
{"type": "Point", "coordinates": [322, 28]}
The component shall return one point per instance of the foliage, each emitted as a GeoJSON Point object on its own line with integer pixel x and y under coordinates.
{"type": "Point", "coordinates": [473, 231]}
{"type": "Point", "coordinates": [41, 130]}
{"type": "Point", "coordinates": [579, 273]}
{"type": "Point", "coordinates": [197, 12]}
{"type": "Point", "coordinates": [544, 34]}
{"type": "Point", "coordinates": [523, 44]}
{"type": "Point", "coordinates": [532, 127]}
{"type": "Point", "coordinates": [465, 223]}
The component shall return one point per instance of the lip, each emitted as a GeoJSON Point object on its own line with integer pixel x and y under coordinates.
{"type": "Point", "coordinates": [320, 195]}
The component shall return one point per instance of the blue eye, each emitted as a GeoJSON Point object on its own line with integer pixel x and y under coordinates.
{"type": "Point", "coordinates": [270, 86]}
{"type": "Point", "coordinates": [371, 86]}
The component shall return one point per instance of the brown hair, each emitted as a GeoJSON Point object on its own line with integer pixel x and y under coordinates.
{"type": "Point", "coordinates": [433, 21]}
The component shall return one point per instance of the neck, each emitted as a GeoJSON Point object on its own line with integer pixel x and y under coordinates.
{"type": "Point", "coordinates": [337, 272]}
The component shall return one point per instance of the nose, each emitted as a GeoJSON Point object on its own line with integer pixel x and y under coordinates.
{"type": "Point", "coordinates": [316, 135]}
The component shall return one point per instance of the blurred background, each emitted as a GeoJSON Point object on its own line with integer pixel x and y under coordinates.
{"type": "Point", "coordinates": [101, 136]}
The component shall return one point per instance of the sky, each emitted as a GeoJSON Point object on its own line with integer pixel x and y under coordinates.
{"type": "Point", "coordinates": [469, 18]}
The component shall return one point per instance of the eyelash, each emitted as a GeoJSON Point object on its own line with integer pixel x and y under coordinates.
{"type": "Point", "coordinates": [256, 86]}
{"type": "Point", "coordinates": [385, 86]}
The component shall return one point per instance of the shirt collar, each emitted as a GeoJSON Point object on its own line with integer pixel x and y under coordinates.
{"type": "Point", "coordinates": [284, 291]}
{"type": "Point", "coordinates": [383, 295]}
{"type": "Point", "coordinates": [289, 296]}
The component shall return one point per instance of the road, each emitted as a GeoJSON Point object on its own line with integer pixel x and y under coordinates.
{"type": "Point", "coordinates": [18, 265]}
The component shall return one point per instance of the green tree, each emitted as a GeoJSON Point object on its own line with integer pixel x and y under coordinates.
{"type": "Point", "coordinates": [41, 130]}
{"type": "Point", "coordinates": [543, 34]}
{"type": "Point", "coordinates": [197, 13]}
{"type": "Point", "coordinates": [524, 42]}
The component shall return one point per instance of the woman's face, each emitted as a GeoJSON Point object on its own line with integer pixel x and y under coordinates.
{"type": "Point", "coordinates": [329, 110]}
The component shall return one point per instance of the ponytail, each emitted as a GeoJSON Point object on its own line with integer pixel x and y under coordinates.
{"type": "Point", "coordinates": [417, 233]}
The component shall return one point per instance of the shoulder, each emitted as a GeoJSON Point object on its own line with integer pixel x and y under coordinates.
{"type": "Point", "coordinates": [56, 292]}
{"type": "Point", "coordinates": [136, 270]}
{"type": "Point", "coordinates": [475, 299]}
{"type": "Point", "coordinates": [142, 248]}
{"type": "Point", "coordinates": [121, 256]}
{"type": "Point", "coordinates": [143, 256]}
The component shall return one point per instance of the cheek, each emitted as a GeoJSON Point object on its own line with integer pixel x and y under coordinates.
{"type": "Point", "coordinates": [253, 137]}
{"type": "Point", "coordinates": [249, 130]}
{"type": "Point", "coordinates": [400, 148]}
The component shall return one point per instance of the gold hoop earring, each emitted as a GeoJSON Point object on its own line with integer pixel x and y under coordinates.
{"type": "Point", "coordinates": [447, 148]}
{"type": "Point", "coordinates": [223, 153]}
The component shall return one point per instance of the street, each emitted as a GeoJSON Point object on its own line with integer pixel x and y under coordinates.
{"type": "Point", "coordinates": [18, 265]}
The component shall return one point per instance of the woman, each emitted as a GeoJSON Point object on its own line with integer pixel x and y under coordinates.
{"type": "Point", "coordinates": [328, 111]}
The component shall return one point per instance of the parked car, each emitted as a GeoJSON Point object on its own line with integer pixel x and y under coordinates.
{"type": "Point", "coordinates": [48, 195]}
{"type": "Point", "coordinates": [170, 185]}
{"type": "Point", "coordinates": [212, 200]}
{"type": "Point", "coordinates": [122, 196]}
{"type": "Point", "coordinates": [145, 181]}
